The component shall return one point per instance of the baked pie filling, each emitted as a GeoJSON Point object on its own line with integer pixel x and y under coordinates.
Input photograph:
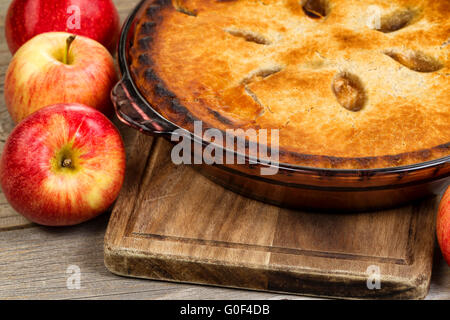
{"type": "Point", "coordinates": [349, 84]}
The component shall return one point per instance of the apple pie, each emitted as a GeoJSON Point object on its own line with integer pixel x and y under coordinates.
{"type": "Point", "coordinates": [348, 84]}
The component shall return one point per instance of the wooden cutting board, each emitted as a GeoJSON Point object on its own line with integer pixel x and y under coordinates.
{"type": "Point", "coordinates": [171, 223]}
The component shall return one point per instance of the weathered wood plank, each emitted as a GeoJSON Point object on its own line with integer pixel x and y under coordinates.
{"type": "Point", "coordinates": [34, 262]}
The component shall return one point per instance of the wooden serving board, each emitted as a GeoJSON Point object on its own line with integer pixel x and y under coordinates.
{"type": "Point", "coordinates": [171, 223]}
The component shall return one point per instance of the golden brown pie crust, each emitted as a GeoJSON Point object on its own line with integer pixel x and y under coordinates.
{"type": "Point", "coordinates": [350, 84]}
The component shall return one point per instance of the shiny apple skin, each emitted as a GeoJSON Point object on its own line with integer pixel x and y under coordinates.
{"type": "Point", "coordinates": [36, 77]}
{"type": "Point", "coordinates": [39, 188]}
{"type": "Point", "coordinates": [25, 19]}
{"type": "Point", "coordinates": [443, 225]}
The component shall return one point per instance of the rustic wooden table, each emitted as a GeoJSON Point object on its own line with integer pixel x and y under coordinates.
{"type": "Point", "coordinates": [34, 260]}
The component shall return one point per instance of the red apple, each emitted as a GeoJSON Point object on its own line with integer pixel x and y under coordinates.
{"type": "Point", "coordinates": [443, 225]}
{"type": "Point", "coordinates": [55, 68]}
{"type": "Point", "coordinates": [96, 19]}
{"type": "Point", "coordinates": [63, 165]}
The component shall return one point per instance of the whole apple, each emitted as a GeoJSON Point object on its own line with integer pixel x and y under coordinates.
{"type": "Point", "coordinates": [443, 225]}
{"type": "Point", "coordinates": [63, 165]}
{"type": "Point", "coordinates": [96, 19]}
{"type": "Point", "coordinates": [58, 67]}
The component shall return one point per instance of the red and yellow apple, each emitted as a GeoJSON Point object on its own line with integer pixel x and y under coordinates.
{"type": "Point", "coordinates": [96, 19]}
{"type": "Point", "coordinates": [55, 68]}
{"type": "Point", "coordinates": [443, 225]}
{"type": "Point", "coordinates": [63, 165]}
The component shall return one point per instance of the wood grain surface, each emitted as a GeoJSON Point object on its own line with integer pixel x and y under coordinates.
{"type": "Point", "coordinates": [34, 259]}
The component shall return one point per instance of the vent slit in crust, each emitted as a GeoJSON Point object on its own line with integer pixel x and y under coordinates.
{"type": "Point", "coordinates": [248, 35]}
{"type": "Point", "coordinates": [261, 74]}
{"type": "Point", "coordinates": [395, 21]}
{"type": "Point", "coordinates": [179, 6]}
{"type": "Point", "coordinates": [349, 91]}
{"type": "Point", "coordinates": [415, 60]}
{"type": "Point", "coordinates": [256, 99]}
{"type": "Point", "coordinates": [315, 9]}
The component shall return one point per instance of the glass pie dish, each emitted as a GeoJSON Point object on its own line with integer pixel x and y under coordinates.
{"type": "Point", "coordinates": [292, 186]}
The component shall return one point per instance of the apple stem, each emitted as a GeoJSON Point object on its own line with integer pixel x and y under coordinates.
{"type": "Point", "coordinates": [67, 163]}
{"type": "Point", "coordinates": [68, 44]}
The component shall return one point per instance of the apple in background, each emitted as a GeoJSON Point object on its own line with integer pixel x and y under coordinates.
{"type": "Point", "coordinates": [63, 165]}
{"type": "Point", "coordinates": [443, 225]}
{"type": "Point", "coordinates": [96, 19]}
{"type": "Point", "coordinates": [57, 67]}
